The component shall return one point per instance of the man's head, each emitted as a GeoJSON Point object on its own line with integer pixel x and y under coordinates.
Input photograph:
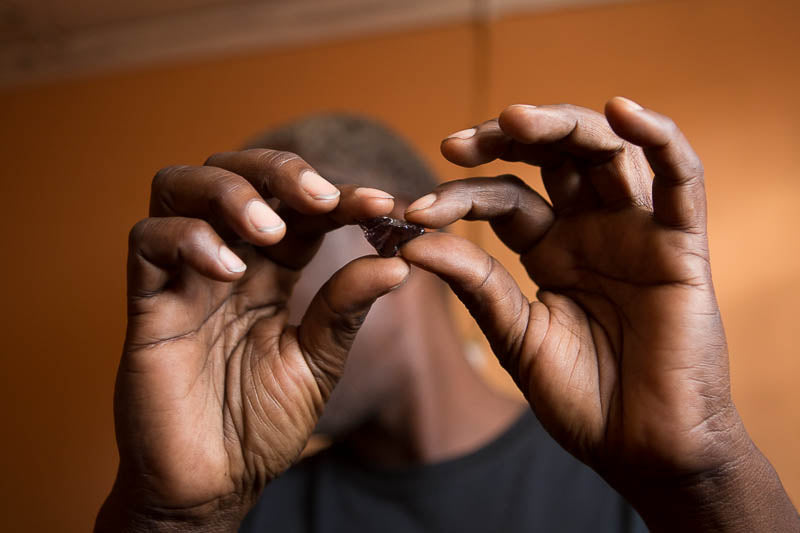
{"type": "Point", "coordinates": [350, 149]}
{"type": "Point", "coordinates": [347, 148]}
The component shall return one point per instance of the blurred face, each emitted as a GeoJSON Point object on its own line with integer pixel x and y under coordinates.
{"type": "Point", "coordinates": [375, 369]}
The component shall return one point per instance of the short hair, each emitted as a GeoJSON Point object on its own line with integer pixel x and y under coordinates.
{"type": "Point", "coordinates": [348, 148]}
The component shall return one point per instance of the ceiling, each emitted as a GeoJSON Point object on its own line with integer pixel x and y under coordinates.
{"type": "Point", "coordinates": [41, 40]}
{"type": "Point", "coordinates": [21, 19]}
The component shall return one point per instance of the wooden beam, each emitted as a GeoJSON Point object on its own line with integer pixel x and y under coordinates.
{"type": "Point", "coordinates": [223, 29]}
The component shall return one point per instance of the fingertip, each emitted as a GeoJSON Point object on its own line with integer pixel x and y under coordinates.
{"type": "Point", "coordinates": [426, 248]}
{"type": "Point", "coordinates": [318, 187]}
{"type": "Point", "coordinates": [634, 123]}
{"type": "Point", "coordinates": [463, 134]}
{"type": "Point", "coordinates": [266, 226]}
{"type": "Point", "coordinates": [624, 104]}
{"type": "Point", "coordinates": [271, 236]}
{"type": "Point", "coordinates": [454, 259]}
{"type": "Point", "coordinates": [461, 152]}
{"type": "Point", "coordinates": [475, 146]}
{"type": "Point", "coordinates": [360, 282]}
{"type": "Point", "coordinates": [432, 217]}
{"type": "Point", "coordinates": [420, 204]}
{"type": "Point", "coordinates": [370, 193]}
{"type": "Point", "coordinates": [397, 271]}
{"type": "Point", "coordinates": [621, 111]}
{"type": "Point", "coordinates": [374, 202]}
{"type": "Point", "coordinates": [230, 261]}
{"type": "Point", "coordinates": [358, 203]}
{"type": "Point", "coordinates": [314, 196]}
{"type": "Point", "coordinates": [439, 209]}
{"type": "Point", "coordinates": [513, 119]}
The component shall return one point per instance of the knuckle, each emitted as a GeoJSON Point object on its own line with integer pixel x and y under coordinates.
{"type": "Point", "coordinates": [689, 169]}
{"type": "Point", "coordinates": [695, 166]}
{"type": "Point", "coordinates": [488, 125]}
{"type": "Point", "coordinates": [273, 159]}
{"type": "Point", "coordinates": [165, 189]}
{"type": "Point", "coordinates": [583, 113]}
{"type": "Point", "coordinates": [275, 165]}
{"type": "Point", "coordinates": [193, 235]}
{"type": "Point", "coordinates": [670, 127]}
{"type": "Point", "coordinates": [215, 158]}
{"type": "Point", "coordinates": [221, 185]}
{"type": "Point", "coordinates": [138, 232]}
{"type": "Point", "coordinates": [452, 189]}
{"type": "Point", "coordinates": [443, 188]}
{"type": "Point", "coordinates": [194, 230]}
{"type": "Point", "coordinates": [512, 181]}
{"type": "Point", "coordinates": [480, 279]}
{"type": "Point", "coordinates": [164, 176]}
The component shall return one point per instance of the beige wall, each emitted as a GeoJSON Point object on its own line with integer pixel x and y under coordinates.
{"type": "Point", "coordinates": [77, 158]}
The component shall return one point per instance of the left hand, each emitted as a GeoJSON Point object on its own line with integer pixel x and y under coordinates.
{"type": "Point", "coordinates": [217, 394]}
{"type": "Point", "coordinates": [623, 357]}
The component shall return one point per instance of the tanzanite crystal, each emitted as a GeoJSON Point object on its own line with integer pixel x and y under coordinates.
{"type": "Point", "coordinates": [388, 234]}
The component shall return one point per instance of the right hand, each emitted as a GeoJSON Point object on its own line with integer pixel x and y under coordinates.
{"type": "Point", "coordinates": [216, 394]}
{"type": "Point", "coordinates": [623, 356]}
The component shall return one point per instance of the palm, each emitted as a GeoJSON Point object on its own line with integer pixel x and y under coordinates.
{"type": "Point", "coordinates": [629, 298]}
{"type": "Point", "coordinates": [216, 394]}
{"type": "Point", "coordinates": [224, 390]}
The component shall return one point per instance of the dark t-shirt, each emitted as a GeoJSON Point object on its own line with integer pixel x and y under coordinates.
{"type": "Point", "coordinates": [521, 481]}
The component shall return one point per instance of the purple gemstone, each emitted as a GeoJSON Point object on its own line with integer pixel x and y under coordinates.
{"type": "Point", "coordinates": [387, 234]}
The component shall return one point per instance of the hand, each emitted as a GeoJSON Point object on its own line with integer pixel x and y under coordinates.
{"type": "Point", "coordinates": [623, 357]}
{"type": "Point", "coordinates": [216, 394]}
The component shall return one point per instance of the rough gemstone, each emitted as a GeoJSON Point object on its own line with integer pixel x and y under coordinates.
{"type": "Point", "coordinates": [388, 234]}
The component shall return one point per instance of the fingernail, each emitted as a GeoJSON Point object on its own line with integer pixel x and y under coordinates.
{"type": "Point", "coordinates": [464, 134]}
{"type": "Point", "coordinates": [318, 187]}
{"type": "Point", "coordinates": [630, 103]}
{"type": "Point", "coordinates": [422, 203]}
{"type": "Point", "coordinates": [263, 218]}
{"type": "Point", "coordinates": [368, 192]}
{"type": "Point", "coordinates": [231, 260]}
{"type": "Point", "coordinates": [523, 106]}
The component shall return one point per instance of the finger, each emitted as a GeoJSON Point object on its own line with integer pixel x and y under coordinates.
{"type": "Point", "coordinates": [570, 188]}
{"type": "Point", "coordinates": [227, 200]}
{"type": "Point", "coordinates": [539, 135]}
{"type": "Point", "coordinates": [489, 292]}
{"type": "Point", "coordinates": [283, 175]}
{"type": "Point", "coordinates": [517, 213]}
{"type": "Point", "coordinates": [564, 138]}
{"type": "Point", "coordinates": [336, 313]}
{"type": "Point", "coordinates": [305, 233]}
{"type": "Point", "coordinates": [567, 129]}
{"type": "Point", "coordinates": [561, 139]}
{"type": "Point", "coordinates": [476, 146]}
{"type": "Point", "coordinates": [679, 198]}
{"type": "Point", "coordinates": [565, 183]}
{"type": "Point", "coordinates": [224, 199]}
{"type": "Point", "coordinates": [158, 247]}
{"type": "Point", "coordinates": [355, 204]}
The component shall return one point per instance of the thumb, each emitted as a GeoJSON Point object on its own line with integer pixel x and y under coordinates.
{"type": "Point", "coordinates": [488, 291]}
{"type": "Point", "coordinates": [336, 313]}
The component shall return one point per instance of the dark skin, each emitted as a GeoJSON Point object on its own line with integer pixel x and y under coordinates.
{"type": "Point", "coordinates": [622, 357]}
{"type": "Point", "coordinates": [216, 394]}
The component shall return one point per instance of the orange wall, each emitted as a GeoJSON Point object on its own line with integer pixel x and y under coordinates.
{"type": "Point", "coordinates": [728, 72]}
{"type": "Point", "coordinates": [77, 158]}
